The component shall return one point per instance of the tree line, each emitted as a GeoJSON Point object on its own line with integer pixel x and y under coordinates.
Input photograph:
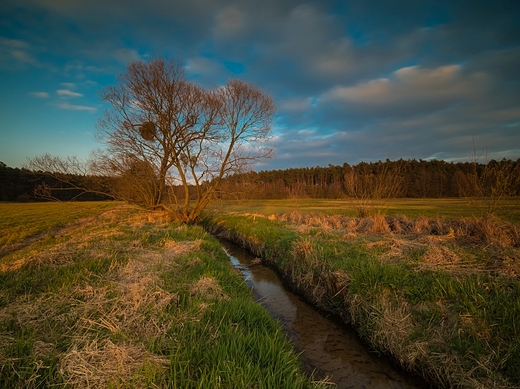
{"type": "Point", "coordinates": [416, 179]}
{"type": "Point", "coordinates": [24, 185]}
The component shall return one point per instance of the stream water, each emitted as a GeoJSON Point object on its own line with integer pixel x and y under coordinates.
{"type": "Point", "coordinates": [328, 347]}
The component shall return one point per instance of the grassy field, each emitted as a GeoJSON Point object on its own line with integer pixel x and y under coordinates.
{"type": "Point", "coordinates": [103, 295]}
{"type": "Point", "coordinates": [439, 293]}
{"type": "Point", "coordinates": [445, 208]}
{"type": "Point", "coordinates": [20, 221]}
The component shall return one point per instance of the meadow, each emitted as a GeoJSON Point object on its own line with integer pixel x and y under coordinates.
{"type": "Point", "coordinates": [109, 295]}
{"type": "Point", "coordinates": [430, 284]}
{"type": "Point", "coordinates": [449, 208]}
{"type": "Point", "coordinates": [20, 221]}
{"type": "Point", "coordinates": [104, 295]}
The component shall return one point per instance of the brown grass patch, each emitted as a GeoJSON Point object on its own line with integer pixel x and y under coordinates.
{"type": "Point", "coordinates": [305, 250]}
{"type": "Point", "coordinates": [208, 288]}
{"type": "Point", "coordinates": [489, 231]}
{"type": "Point", "coordinates": [394, 332]}
{"type": "Point", "coordinates": [378, 225]}
{"type": "Point", "coordinates": [396, 247]}
{"type": "Point", "coordinates": [308, 270]}
{"type": "Point", "coordinates": [399, 236]}
{"type": "Point", "coordinates": [179, 248]}
{"type": "Point", "coordinates": [101, 363]}
{"type": "Point", "coordinates": [394, 324]}
{"type": "Point", "coordinates": [156, 217]}
{"type": "Point", "coordinates": [511, 266]}
{"type": "Point", "coordinates": [440, 256]}
{"type": "Point", "coordinates": [135, 289]}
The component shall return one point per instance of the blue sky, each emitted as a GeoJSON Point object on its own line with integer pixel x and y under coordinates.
{"type": "Point", "coordinates": [353, 80]}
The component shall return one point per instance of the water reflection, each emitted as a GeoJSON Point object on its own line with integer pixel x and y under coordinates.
{"type": "Point", "coordinates": [328, 348]}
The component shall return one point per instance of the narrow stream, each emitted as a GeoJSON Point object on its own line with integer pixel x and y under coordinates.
{"type": "Point", "coordinates": [328, 348]}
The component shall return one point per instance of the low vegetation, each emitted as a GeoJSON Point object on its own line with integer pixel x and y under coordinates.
{"type": "Point", "coordinates": [447, 208]}
{"type": "Point", "coordinates": [106, 295]}
{"type": "Point", "coordinates": [20, 221]}
{"type": "Point", "coordinates": [439, 295]}
{"type": "Point", "coordinates": [128, 299]}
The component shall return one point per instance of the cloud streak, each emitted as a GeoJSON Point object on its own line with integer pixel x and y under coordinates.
{"type": "Point", "coordinates": [72, 107]}
{"type": "Point", "coordinates": [40, 95]}
{"type": "Point", "coordinates": [68, 93]}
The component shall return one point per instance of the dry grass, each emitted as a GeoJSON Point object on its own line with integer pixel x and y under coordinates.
{"type": "Point", "coordinates": [129, 300]}
{"type": "Point", "coordinates": [423, 290]}
{"type": "Point", "coordinates": [208, 288]}
{"type": "Point", "coordinates": [101, 363]}
{"type": "Point", "coordinates": [137, 289]}
{"type": "Point", "coordinates": [399, 236]}
{"type": "Point", "coordinates": [394, 324]}
{"type": "Point", "coordinates": [490, 230]}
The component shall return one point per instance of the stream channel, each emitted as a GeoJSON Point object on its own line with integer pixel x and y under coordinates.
{"type": "Point", "coordinates": [328, 347]}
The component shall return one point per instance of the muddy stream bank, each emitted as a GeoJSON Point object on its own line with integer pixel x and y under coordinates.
{"type": "Point", "coordinates": [328, 347]}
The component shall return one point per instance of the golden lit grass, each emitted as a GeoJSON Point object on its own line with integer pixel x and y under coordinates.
{"type": "Point", "coordinates": [208, 288]}
{"type": "Point", "coordinates": [452, 245]}
{"type": "Point", "coordinates": [20, 221]}
{"type": "Point", "coordinates": [129, 300]}
{"type": "Point", "coordinates": [444, 208]}
{"type": "Point", "coordinates": [61, 244]}
{"type": "Point", "coordinates": [439, 295]}
{"type": "Point", "coordinates": [102, 363]}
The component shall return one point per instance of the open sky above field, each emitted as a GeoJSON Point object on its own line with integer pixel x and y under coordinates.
{"type": "Point", "coordinates": [353, 80]}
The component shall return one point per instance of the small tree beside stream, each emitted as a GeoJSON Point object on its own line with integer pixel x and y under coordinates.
{"type": "Point", "coordinates": [372, 189]}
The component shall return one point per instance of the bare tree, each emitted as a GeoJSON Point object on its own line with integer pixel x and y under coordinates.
{"type": "Point", "coordinates": [372, 189]}
{"type": "Point", "coordinates": [163, 132]}
{"type": "Point", "coordinates": [68, 174]}
{"type": "Point", "coordinates": [491, 184]}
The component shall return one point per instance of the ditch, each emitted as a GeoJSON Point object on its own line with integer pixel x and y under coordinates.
{"type": "Point", "coordinates": [328, 348]}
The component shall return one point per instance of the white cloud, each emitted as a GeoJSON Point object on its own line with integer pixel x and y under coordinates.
{"type": "Point", "coordinates": [74, 65]}
{"type": "Point", "coordinates": [201, 65]}
{"type": "Point", "coordinates": [40, 95]}
{"type": "Point", "coordinates": [371, 92]}
{"type": "Point", "coordinates": [72, 107]}
{"type": "Point", "coordinates": [412, 86]}
{"type": "Point", "coordinates": [14, 43]}
{"type": "Point", "coordinates": [25, 58]}
{"type": "Point", "coordinates": [16, 52]}
{"type": "Point", "coordinates": [206, 71]}
{"type": "Point", "coordinates": [126, 55]}
{"type": "Point", "coordinates": [68, 93]}
{"type": "Point", "coordinates": [69, 85]}
{"type": "Point", "coordinates": [230, 22]}
{"type": "Point", "coordinates": [296, 104]}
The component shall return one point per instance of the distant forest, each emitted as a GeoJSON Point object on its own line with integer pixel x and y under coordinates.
{"type": "Point", "coordinates": [20, 185]}
{"type": "Point", "coordinates": [420, 179]}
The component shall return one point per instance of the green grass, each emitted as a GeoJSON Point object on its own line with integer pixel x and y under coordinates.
{"type": "Point", "coordinates": [22, 220]}
{"type": "Point", "coordinates": [128, 300]}
{"type": "Point", "coordinates": [444, 309]}
{"type": "Point", "coordinates": [446, 208]}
